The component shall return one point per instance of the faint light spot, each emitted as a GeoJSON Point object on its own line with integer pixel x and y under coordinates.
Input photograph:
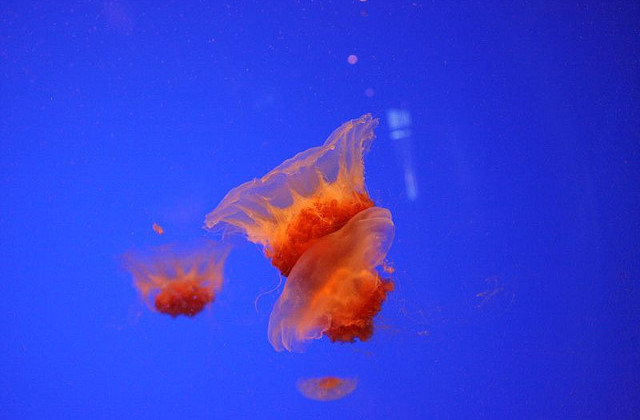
{"type": "Point", "coordinates": [369, 92]}
{"type": "Point", "coordinates": [399, 121]}
{"type": "Point", "coordinates": [352, 59]}
{"type": "Point", "coordinates": [118, 17]}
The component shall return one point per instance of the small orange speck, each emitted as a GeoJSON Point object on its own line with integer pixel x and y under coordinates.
{"type": "Point", "coordinates": [352, 59]}
{"type": "Point", "coordinates": [369, 92]}
{"type": "Point", "coordinates": [158, 229]}
{"type": "Point", "coordinates": [387, 268]}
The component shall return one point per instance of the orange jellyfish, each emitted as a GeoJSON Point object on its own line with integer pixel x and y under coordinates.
{"type": "Point", "coordinates": [179, 282]}
{"type": "Point", "coordinates": [334, 289]}
{"type": "Point", "coordinates": [327, 388]}
{"type": "Point", "coordinates": [316, 222]}
{"type": "Point", "coordinates": [305, 198]}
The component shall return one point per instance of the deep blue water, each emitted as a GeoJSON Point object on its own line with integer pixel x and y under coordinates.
{"type": "Point", "coordinates": [514, 187]}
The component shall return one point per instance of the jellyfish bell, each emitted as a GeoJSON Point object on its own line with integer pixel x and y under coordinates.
{"type": "Point", "coordinates": [334, 289]}
{"type": "Point", "coordinates": [305, 198]}
{"type": "Point", "coordinates": [178, 280]}
{"type": "Point", "coordinates": [327, 388]}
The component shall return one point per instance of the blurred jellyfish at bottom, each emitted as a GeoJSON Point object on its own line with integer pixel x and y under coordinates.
{"type": "Point", "coordinates": [327, 388]}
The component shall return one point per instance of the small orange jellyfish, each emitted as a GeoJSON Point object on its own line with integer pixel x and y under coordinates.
{"type": "Point", "coordinates": [179, 282]}
{"type": "Point", "coordinates": [326, 388]}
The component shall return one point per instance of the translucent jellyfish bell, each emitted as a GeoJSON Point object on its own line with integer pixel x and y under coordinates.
{"type": "Point", "coordinates": [335, 289]}
{"type": "Point", "coordinates": [327, 388]}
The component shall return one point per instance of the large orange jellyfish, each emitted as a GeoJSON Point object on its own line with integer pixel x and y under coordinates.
{"type": "Point", "coordinates": [179, 282]}
{"type": "Point", "coordinates": [305, 198]}
{"type": "Point", "coordinates": [327, 388]}
{"type": "Point", "coordinates": [334, 289]}
{"type": "Point", "coordinates": [316, 222]}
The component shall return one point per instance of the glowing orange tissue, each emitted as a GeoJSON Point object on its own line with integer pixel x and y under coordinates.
{"type": "Point", "coordinates": [183, 297]}
{"type": "Point", "coordinates": [327, 388]}
{"type": "Point", "coordinates": [179, 282]}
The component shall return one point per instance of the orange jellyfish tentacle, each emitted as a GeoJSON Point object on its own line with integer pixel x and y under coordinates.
{"type": "Point", "coordinates": [323, 218]}
{"type": "Point", "coordinates": [360, 324]}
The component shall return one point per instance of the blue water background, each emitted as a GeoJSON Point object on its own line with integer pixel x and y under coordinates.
{"type": "Point", "coordinates": [516, 250]}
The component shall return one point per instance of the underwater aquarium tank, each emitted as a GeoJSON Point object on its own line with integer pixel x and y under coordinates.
{"type": "Point", "coordinates": [320, 210]}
